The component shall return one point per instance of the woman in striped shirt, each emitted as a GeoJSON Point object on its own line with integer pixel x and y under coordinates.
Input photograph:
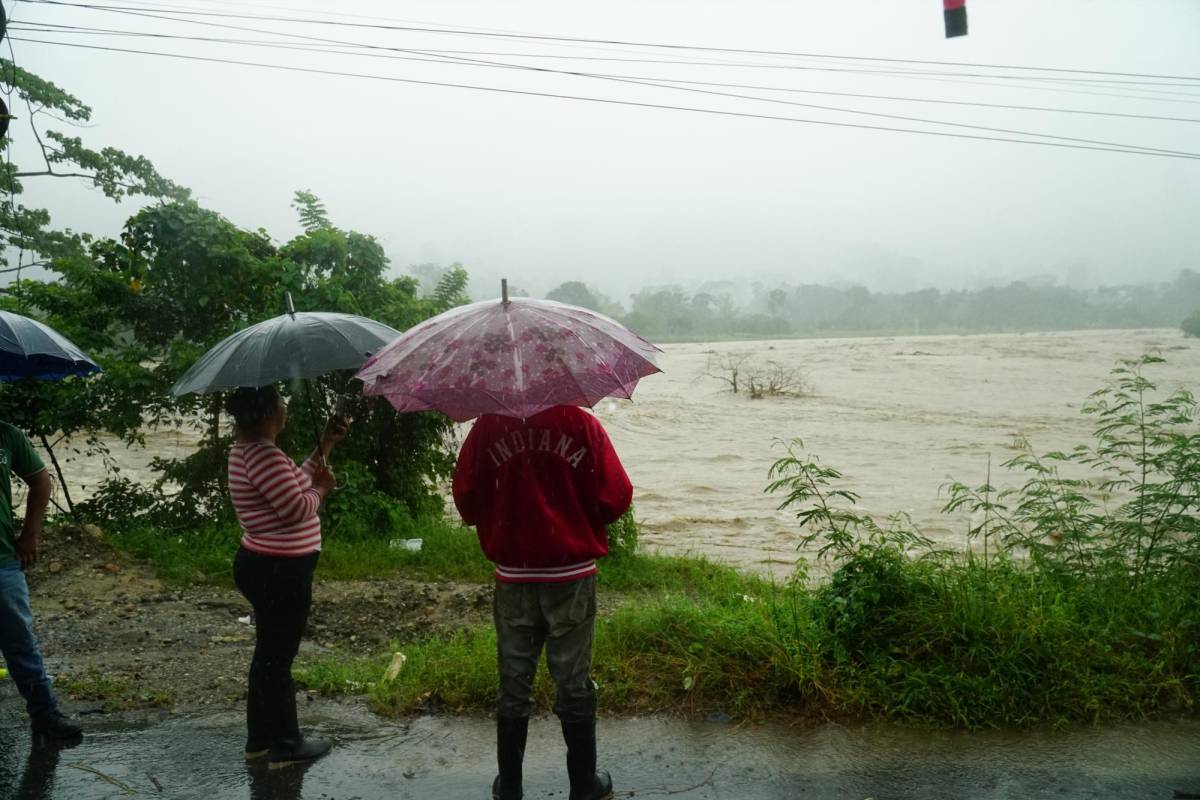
{"type": "Point", "coordinates": [276, 503]}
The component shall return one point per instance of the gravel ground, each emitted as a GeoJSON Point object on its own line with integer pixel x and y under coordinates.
{"type": "Point", "coordinates": [116, 637]}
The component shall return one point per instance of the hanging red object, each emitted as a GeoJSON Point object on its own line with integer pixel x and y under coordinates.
{"type": "Point", "coordinates": [955, 12]}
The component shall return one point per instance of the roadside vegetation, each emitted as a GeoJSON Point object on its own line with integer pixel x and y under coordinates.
{"type": "Point", "coordinates": [1077, 601]}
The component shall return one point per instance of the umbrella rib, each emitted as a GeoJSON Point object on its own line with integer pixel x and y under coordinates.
{"type": "Point", "coordinates": [518, 361]}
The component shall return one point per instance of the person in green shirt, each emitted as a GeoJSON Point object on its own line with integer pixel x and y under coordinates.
{"type": "Point", "coordinates": [17, 641]}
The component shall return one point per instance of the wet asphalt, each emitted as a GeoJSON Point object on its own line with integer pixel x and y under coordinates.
{"type": "Point", "coordinates": [198, 756]}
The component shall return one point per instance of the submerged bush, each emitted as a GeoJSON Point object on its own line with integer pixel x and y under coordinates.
{"type": "Point", "coordinates": [1191, 325]}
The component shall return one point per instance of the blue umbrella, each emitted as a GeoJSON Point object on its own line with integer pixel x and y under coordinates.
{"type": "Point", "coordinates": [29, 349]}
{"type": "Point", "coordinates": [33, 351]}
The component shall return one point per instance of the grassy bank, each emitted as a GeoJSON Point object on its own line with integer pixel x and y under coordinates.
{"type": "Point", "coordinates": [943, 639]}
{"type": "Point", "coordinates": [205, 555]}
{"type": "Point", "coordinates": [955, 642]}
{"type": "Point", "coordinates": [448, 552]}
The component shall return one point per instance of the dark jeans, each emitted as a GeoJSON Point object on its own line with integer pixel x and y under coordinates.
{"type": "Point", "coordinates": [280, 589]}
{"type": "Point", "coordinates": [562, 617]}
{"type": "Point", "coordinates": [18, 643]}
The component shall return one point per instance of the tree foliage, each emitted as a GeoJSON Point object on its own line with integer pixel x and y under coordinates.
{"type": "Point", "coordinates": [578, 293]}
{"type": "Point", "coordinates": [27, 233]}
{"type": "Point", "coordinates": [725, 309]}
{"type": "Point", "coordinates": [1191, 325]}
{"type": "Point", "coordinates": [177, 279]}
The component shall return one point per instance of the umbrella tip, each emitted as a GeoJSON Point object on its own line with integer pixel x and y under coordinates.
{"type": "Point", "coordinates": [504, 291]}
{"type": "Point", "coordinates": [291, 308]}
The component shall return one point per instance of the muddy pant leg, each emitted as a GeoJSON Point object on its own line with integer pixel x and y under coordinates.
{"type": "Point", "coordinates": [520, 633]}
{"type": "Point", "coordinates": [570, 611]}
{"type": "Point", "coordinates": [280, 589]}
{"type": "Point", "coordinates": [19, 644]}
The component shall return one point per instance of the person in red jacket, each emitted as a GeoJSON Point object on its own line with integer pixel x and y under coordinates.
{"type": "Point", "coordinates": [540, 492]}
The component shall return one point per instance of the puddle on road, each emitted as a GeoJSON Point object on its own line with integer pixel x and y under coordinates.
{"type": "Point", "coordinates": [199, 758]}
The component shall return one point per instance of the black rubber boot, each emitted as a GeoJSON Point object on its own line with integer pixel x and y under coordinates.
{"type": "Point", "coordinates": [285, 752]}
{"type": "Point", "coordinates": [586, 782]}
{"type": "Point", "coordinates": [56, 726]}
{"type": "Point", "coordinates": [511, 733]}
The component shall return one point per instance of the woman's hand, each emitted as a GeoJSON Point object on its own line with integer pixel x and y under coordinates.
{"type": "Point", "coordinates": [335, 431]}
{"type": "Point", "coordinates": [323, 480]}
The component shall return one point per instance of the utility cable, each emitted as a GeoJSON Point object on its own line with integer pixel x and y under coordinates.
{"type": "Point", "coordinates": [348, 50]}
{"type": "Point", "coordinates": [925, 75]}
{"type": "Point", "coordinates": [626, 103]}
{"type": "Point", "coordinates": [729, 95]}
{"type": "Point", "coordinates": [617, 42]}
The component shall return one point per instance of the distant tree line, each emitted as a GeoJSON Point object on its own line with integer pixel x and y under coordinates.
{"type": "Point", "coordinates": [673, 312]}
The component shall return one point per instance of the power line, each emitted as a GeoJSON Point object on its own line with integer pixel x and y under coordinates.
{"type": "Point", "coordinates": [617, 42]}
{"type": "Point", "coordinates": [729, 95]}
{"type": "Point", "coordinates": [627, 103]}
{"type": "Point", "coordinates": [909, 74]}
{"type": "Point", "coordinates": [349, 47]}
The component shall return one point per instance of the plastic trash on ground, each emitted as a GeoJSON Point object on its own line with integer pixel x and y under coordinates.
{"type": "Point", "coordinates": [393, 670]}
{"type": "Point", "coordinates": [413, 545]}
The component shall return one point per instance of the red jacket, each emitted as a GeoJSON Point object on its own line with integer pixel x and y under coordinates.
{"type": "Point", "coordinates": [539, 493]}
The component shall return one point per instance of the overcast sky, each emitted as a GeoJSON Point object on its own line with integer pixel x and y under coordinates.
{"type": "Point", "coordinates": [541, 190]}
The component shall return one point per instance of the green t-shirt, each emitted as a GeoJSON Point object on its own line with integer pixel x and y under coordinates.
{"type": "Point", "coordinates": [16, 455]}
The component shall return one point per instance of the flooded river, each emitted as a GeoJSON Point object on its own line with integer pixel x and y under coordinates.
{"type": "Point", "coordinates": [198, 757]}
{"type": "Point", "coordinates": [899, 416]}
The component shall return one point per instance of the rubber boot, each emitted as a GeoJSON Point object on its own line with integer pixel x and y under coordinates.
{"type": "Point", "coordinates": [511, 733]}
{"type": "Point", "coordinates": [288, 745]}
{"type": "Point", "coordinates": [55, 726]}
{"type": "Point", "coordinates": [285, 752]}
{"type": "Point", "coordinates": [586, 782]}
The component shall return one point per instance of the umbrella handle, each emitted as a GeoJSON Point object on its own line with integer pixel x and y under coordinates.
{"type": "Point", "coordinates": [313, 411]}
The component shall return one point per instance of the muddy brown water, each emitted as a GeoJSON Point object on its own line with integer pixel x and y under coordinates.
{"type": "Point", "coordinates": [198, 757]}
{"type": "Point", "coordinates": [899, 416]}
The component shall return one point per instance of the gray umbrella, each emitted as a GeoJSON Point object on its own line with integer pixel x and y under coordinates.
{"type": "Point", "coordinates": [301, 344]}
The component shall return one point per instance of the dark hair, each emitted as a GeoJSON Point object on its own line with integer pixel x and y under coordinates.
{"type": "Point", "coordinates": [250, 407]}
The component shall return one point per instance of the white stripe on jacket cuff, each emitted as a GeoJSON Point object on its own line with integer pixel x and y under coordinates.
{"type": "Point", "coordinates": [568, 571]}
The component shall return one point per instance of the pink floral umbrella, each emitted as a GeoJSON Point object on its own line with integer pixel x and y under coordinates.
{"type": "Point", "coordinates": [513, 357]}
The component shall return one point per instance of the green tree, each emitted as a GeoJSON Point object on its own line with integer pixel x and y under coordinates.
{"type": "Point", "coordinates": [313, 216]}
{"type": "Point", "coordinates": [56, 412]}
{"type": "Point", "coordinates": [1191, 325]}
{"type": "Point", "coordinates": [574, 293]}
{"type": "Point", "coordinates": [578, 293]}
{"type": "Point", "coordinates": [176, 280]}
{"type": "Point", "coordinates": [26, 232]}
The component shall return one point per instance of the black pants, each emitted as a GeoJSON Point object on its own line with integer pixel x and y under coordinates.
{"type": "Point", "coordinates": [280, 589]}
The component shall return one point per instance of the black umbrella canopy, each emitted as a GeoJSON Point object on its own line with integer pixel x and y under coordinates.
{"type": "Point", "coordinates": [30, 349]}
{"type": "Point", "coordinates": [303, 344]}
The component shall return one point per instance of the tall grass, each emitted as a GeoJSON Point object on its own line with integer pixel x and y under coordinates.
{"type": "Point", "coordinates": [952, 643]}
{"type": "Point", "coordinates": [205, 555]}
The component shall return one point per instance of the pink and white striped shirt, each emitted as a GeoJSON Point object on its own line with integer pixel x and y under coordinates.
{"type": "Point", "coordinates": [274, 499]}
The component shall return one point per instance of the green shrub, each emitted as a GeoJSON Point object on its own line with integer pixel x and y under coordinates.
{"type": "Point", "coordinates": [623, 535]}
{"type": "Point", "coordinates": [1191, 325]}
